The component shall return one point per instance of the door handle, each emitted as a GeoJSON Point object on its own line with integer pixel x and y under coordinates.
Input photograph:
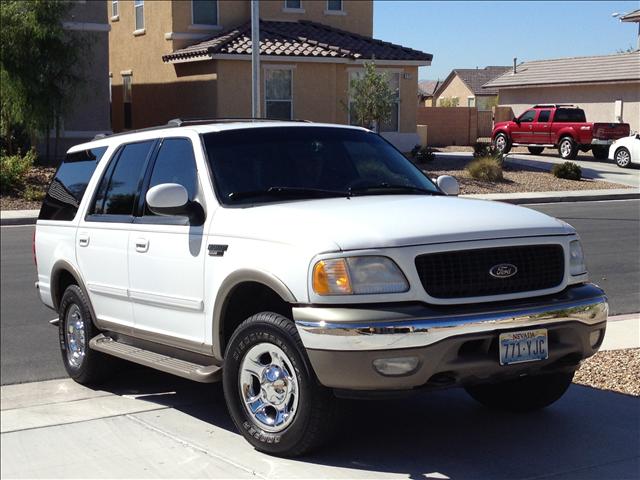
{"type": "Point", "coordinates": [83, 239]}
{"type": "Point", "coordinates": [142, 245]}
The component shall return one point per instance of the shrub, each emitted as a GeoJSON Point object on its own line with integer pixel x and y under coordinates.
{"type": "Point", "coordinates": [14, 169]}
{"type": "Point", "coordinates": [34, 194]}
{"type": "Point", "coordinates": [487, 168]}
{"type": "Point", "coordinates": [424, 155]}
{"type": "Point", "coordinates": [415, 150]}
{"type": "Point", "coordinates": [568, 170]}
{"type": "Point", "coordinates": [482, 150]}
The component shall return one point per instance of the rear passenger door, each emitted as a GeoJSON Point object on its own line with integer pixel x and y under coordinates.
{"type": "Point", "coordinates": [102, 236]}
{"type": "Point", "coordinates": [167, 255]}
{"type": "Point", "coordinates": [542, 127]}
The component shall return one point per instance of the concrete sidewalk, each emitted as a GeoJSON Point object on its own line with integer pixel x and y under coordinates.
{"type": "Point", "coordinates": [147, 424]}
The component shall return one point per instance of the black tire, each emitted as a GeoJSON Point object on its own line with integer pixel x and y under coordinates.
{"type": "Point", "coordinates": [567, 148]}
{"type": "Point", "coordinates": [600, 153]}
{"type": "Point", "coordinates": [315, 414]}
{"type": "Point", "coordinates": [535, 150]}
{"type": "Point", "coordinates": [622, 157]}
{"type": "Point", "coordinates": [502, 143]}
{"type": "Point", "coordinates": [524, 394]}
{"type": "Point", "coordinates": [93, 367]}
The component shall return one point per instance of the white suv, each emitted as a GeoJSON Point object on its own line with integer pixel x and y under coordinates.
{"type": "Point", "coordinates": [300, 262]}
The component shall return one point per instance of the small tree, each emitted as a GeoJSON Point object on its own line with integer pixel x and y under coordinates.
{"type": "Point", "coordinates": [372, 97]}
{"type": "Point", "coordinates": [449, 102]}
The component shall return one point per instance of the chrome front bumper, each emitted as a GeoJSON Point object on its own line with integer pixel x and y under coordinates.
{"type": "Point", "coordinates": [396, 327]}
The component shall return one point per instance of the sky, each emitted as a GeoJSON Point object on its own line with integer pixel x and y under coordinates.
{"type": "Point", "coordinates": [480, 33]}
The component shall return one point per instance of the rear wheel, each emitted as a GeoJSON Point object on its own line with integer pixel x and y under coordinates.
{"type": "Point", "coordinates": [524, 394]}
{"type": "Point", "coordinates": [567, 148]}
{"type": "Point", "coordinates": [75, 329]}
{"type": "Point", "coordinates": [622, 157]}
{"type": "Point", "coordinates": [502, 143]}
{"type": "Point", "coordinates": [600, 153]}
{"type": "Point", "coordinates": [535, 150]}
{"type": "Point", "coordinates": [271, 391]}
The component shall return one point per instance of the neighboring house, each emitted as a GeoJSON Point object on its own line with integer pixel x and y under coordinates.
{"type": "Point", "coordinates": [465, 85]}
{"type": "Point", "coordinates": [193, 59]}
{"type": "Point", "coordinates": [89, 113]}
{"type": "Point", "coordinates": [633, 17]}
{"type": "Point", "coordinates": [606, 87]}
{"type": "Point", "coordinates": [425, 92]}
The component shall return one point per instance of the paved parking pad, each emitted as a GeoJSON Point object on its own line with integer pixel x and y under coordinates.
{"type": "Point", "coordinates": [149, 424]}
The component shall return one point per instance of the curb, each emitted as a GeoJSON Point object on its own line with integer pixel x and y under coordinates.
{"type": "Point", "coordinates": [18, 217]}
{"type": "Point", "coordinates": [557, 197]}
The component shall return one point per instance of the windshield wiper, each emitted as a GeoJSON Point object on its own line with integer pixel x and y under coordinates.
{"type": "Point", "coordinates": [392, 188]}
{"type": "Point", "coordinates": [292, 192]}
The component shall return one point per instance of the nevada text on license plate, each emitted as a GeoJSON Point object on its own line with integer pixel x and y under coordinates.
{"type": "Point", "coordinates": [523, 346]}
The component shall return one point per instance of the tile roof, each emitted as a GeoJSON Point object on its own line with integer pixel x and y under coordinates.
{"type": "Point", "coordinates": [298, 39]}
{"type": "Point", "coordinates": [427, 87]}
{"type": "Point", "coordinates": [475, 78]}
{"type": "Point", "coordinates": [631, 16]}
{"type": "Point", "coordinates": [575, 70]}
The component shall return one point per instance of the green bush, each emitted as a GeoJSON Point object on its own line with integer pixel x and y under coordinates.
{"type": "Point", "coordinates": [487, 168]}
{"type": "Point", "coordinates": [415, 150]}
{"type": "Point", "coordinates": [568, 170]}
{"type": "Point", "coordinates": [424, 155]}
{"type": "Point", "coordinates": [482, 150]}
{"type": "Point", "coordinates": [13, 171]}
{"type": "Point", "coordinates": [34, 194]}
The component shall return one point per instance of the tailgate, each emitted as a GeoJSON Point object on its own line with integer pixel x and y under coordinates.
{"type": "Point", "coordinates": [610, 131]}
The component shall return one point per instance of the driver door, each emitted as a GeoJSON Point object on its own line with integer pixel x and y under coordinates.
{"type": "Point", "coordinates": [523, 130]}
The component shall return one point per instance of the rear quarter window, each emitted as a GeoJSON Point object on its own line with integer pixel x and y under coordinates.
{"type": "Point", "coordinates": [69, 184]}
{"type": "Point", "coordinates": [570, 115]}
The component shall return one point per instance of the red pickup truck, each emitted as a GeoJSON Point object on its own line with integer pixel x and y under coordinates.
{"type": "Point", "coordinates": [564, 127]}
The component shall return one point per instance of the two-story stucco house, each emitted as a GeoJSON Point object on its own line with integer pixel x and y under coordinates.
{"type": "Point", "coordinates": [193, 59]}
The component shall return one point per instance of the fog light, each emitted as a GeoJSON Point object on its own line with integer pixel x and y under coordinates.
{"type": "Point", "coordinates": [595, 337]}
{"type": "Point", "coordinates": [394, 367]}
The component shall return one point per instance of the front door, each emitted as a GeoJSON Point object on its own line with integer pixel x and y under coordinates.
{"type": "Point", "coordinates": [166, 257]}
{"type": "Point", "coordinates": [103, 236]}
{"type": "Point", "coordinates": [523, 130]}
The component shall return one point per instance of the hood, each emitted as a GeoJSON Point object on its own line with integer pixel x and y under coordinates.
{"type": "Point", "coordinates": [383, 221]}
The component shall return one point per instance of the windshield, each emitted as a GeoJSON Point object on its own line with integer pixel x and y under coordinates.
{"type": "Point", "coordinates": [271, 164]}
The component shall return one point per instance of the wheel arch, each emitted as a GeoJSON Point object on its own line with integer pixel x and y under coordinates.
{"type": "Point", "coordinates": [64, 274]}
{"type": "Point", "coordinates": [260, 285]}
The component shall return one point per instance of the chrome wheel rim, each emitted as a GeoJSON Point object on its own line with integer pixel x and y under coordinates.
{"type": "Point", "coordinates": [269, 387]}
{"type": "Point", "coordinates": [622, 158]}
{"type": "Point", "coordinates": [75, 336]}
{"type": "Point", "coordinates": [565, 148]}
{"type": "Point", "coordinates": [500, 143]}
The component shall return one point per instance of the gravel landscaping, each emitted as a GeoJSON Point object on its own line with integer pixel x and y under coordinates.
{"type": "Point", "coordinates": [517, 178]}
{"type": "Point", "coordinates": [614, 370]}
{"type": "Point", "coordinates": [38, 180]}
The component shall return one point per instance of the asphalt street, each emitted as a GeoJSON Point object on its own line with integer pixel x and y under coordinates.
{"type": "Point", "coordinates": [29, 349]}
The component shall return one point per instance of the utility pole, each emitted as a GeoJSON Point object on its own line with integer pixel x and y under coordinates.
{"type": "Point", "coordinates": [255, 59]}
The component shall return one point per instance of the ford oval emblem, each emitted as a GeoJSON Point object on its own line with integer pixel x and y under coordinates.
{"type": "Point", "coordinates": [503, 270]}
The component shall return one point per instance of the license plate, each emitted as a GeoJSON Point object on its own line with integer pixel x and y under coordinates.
{"type": "Point", "coordinates": [524, 346]}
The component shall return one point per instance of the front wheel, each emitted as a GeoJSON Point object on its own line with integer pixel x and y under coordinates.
{"type": "Point", "coordinates": [622, 157]}
{"type": "Point", "coordinates": [600, 153]}
{"type": "Point", "coordinates": [524, 394]}
{"type": "Point", "coordinates": [567, 148]}
{"type": "Point", "coordinates": [502, 143]}
{"type": "Point", "coordinates": [271, 391]}
{"type": "Point", "coordinates": [535, 150]}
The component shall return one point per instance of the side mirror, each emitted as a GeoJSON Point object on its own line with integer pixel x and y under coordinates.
{"type": "Point", "coordinates": [515, 120]}
{"type": "Point", "coordinates": [448, 185]}
{"type": "Point", "coordinates": [170, 199]}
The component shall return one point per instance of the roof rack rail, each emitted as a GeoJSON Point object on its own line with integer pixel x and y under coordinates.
{"type": "Point", "coordinates": [554, 105]}
{"type": "Point", "coordinates": [181, 122]}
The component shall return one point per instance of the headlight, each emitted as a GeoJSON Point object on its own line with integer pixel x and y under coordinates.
{"type": "Point", "coordinates": [358, 275]}
{"type": "Point", "coordinates": [576, 259]}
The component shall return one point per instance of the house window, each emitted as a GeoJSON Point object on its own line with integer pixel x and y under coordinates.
{"type": "Point", "coordinates": [114, 8]}
{"type": "Point", "coordinates": [278, 93]}
{"type": "Point", "coordinates": [138, 6]}
{"type": "Point", "coordinates": [204, 12]}
{"type": "Point", "coordinates": [394, 122]}
{"type": "Point", "coordinates": [471, 101]}
{"type": "Point", "coordinates": [292, 4]}
{"type": "Point", "coordinates": [126, 100]}
{"type": "Point", "coordinates": [334, 5]}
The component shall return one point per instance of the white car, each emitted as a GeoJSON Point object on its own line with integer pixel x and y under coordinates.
{"type": "Point", "coordinates": [296, 262]}
{"type": "Point", "coordinates": [625, 151]}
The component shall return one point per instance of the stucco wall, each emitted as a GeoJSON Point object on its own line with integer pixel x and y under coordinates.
{"type": "Point", "coordinates": [598, 101]}
{"type": "Point", "coordinates": [455, 88]}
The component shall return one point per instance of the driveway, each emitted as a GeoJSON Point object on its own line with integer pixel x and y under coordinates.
{"type": "Point", "coordinates": [591, 168]}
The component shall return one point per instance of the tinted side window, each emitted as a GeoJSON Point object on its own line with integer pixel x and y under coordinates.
{"type": "Point", "coordinates": [119, 186]}
{"type": "Point", "coordinates": [528, 116]}
{"type": "Point", "coordinates": [567, 115]}
{"type": "Point", "coordinates": [175, 163]}
{"type": "Point", "coordinates": [544, 116]}
{"type": "Point", "coordinates": [69, 184]}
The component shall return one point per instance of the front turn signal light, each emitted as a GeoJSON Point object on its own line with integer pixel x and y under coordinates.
{"type": "Point", "coordinates": [331, 277]}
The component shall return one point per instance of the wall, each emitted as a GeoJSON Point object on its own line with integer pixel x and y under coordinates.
{"type": "Point", "coordinates": [596, 100]}
{"type": "Point", "coordinates": [356, 15]}
{"type": "Point", "coordinates": [449, 126]}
